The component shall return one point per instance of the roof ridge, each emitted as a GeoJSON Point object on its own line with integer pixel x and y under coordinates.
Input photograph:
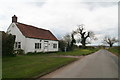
{"type": "Point", "coordinates": [32, 26]}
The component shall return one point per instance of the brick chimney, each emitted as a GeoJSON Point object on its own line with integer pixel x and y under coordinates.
{"type": "Point", "coordinates": [14, 19]}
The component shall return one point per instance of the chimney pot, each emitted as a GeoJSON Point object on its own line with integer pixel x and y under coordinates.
{"type": "Point", "coordinates": [14, 19]}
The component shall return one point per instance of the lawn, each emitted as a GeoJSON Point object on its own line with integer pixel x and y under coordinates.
{"type": "Point", "coordinates": [31, 65]}
{"type": "Point", "coordinates": [28, 66]}
{"type": "Point", "coordinates": [115, 50]}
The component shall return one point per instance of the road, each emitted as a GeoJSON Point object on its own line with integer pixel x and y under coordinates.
{"type": "Point", "coordinates": [101, 64]}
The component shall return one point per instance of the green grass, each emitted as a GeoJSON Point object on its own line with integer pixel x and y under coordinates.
{"type": "Point", "coordinates": [27, 66]}
{"type": "Point", "coordinates": [77, 52]}
{"type": "Point", "coordinates": [115, 50]}
{"type": "Point", "coordinates": [30, 66]}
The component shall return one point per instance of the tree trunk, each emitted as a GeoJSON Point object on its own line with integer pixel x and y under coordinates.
{"type": "Point", "coordinates": [111, 45]}
{"type": "Point", "coordinates": [83, 43]}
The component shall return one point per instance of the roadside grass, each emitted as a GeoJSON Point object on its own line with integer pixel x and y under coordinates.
{"type": "Point", "coordinates": [28, 66]}
{"type": "Point", "coordinates": [77, 52]}
{"type": "Point", "coordinates": [115, 50]}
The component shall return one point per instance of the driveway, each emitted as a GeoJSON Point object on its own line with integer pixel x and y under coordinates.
{"type": "Point", "coordinates": [101, 64]}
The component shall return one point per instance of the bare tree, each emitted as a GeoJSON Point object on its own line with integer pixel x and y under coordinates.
{"type": "Point", "coordinates": [84, 35]}
{"type": "Point", "coordinates": [109, 40]}
{"type": "Point", "coordinates": [73, 41]}
{"type": "Point", "coordinates": [70, 40]}
{"type": "Point", "coordinates": [67, 38]}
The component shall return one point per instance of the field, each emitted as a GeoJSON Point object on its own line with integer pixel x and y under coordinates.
{"type": "Point", "coordinates": [28, 66]}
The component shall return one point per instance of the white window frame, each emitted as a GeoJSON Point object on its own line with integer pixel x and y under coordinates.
{"type": "Point", "coordinates": [54, 45]}
{"type": "Point", "coordinates": [17, 45]}
{"type": "Point", "coordinates": [38, 45]}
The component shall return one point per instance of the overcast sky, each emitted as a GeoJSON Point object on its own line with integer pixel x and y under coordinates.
{"type": "Point", "coordinates": [63, 16]}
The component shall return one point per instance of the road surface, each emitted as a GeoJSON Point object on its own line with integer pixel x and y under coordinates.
{"type": "Point", "coordinates": [101, 64]}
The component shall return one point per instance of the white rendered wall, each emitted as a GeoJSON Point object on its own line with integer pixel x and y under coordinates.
{"type": "Point", "coordinates": [13, 29]}
{"type": "Point", "coordinates": [28, 44]}
{"type": "Point", "coordinates": [50, 46]}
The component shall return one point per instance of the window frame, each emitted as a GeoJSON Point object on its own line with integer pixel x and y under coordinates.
{"type": "Point", "coordinates": [17, 45]}
{"type": "Point", "coordinates": [37, 45]}
{"type": "Point", "coordinates": [54, 45]}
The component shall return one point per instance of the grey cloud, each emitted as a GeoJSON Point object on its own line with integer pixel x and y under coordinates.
{"type": "Point", "coordinates": [38, 3]}
{"type": "Point", "coordinates": [3, 17]}
{"type": "Point", "coordinates": [95, 5]}
{"type": "Point", "coordinates": [110, 32]}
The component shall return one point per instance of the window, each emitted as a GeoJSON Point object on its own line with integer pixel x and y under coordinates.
{"type": "Point", "coordinates": [45, 41]}
{"type": "Point", "coordinates": [54, 45]}
{"type": "Point", "coordinates": [37, 45]}
{"type": "Point", "coordinates": [17, 45]}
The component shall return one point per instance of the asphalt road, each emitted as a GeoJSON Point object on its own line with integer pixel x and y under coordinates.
{"type": "Point", "coordinates": [101, 64]}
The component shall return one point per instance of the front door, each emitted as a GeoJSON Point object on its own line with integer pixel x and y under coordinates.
{"type": "Point", "coordinates": [45, 46]}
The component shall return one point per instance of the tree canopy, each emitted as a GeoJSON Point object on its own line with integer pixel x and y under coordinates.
{"type": "Point", "coordinates": [84, 35]}
{"type": "Point", "coordinates": [110, 40]}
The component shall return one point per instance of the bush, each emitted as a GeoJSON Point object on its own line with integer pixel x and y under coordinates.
{"type": "Point", "coordinates": [29, 53]}
{"type": "Point", "coordinates": [8, 41]}
{"type": "Point", "coordinates": [62, 45]}
{"type": "Point", "coordinates": [32, 53]}
{"type": "Point", "coordinates": [19, 52]}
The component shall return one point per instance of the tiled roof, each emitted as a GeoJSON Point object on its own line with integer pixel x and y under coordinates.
{"type": "Point", "coordinates": [34, 32]}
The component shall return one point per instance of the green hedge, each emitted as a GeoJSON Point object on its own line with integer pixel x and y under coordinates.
{"type": "Point", "coordinates": [8, 41]}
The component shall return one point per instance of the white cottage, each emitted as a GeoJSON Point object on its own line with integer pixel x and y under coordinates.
{"type": "Point", "coordinates": [31, 39]}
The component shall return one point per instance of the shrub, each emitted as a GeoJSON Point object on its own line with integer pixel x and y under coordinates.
{"type": "Point", "coordinates": [62, 45]}
{"type": "Point", "coordinates": [8, 41]}
{"type": "Point", "coordinates": [35, 52]}
{"type": "Point", "coordinates": [19, 52]}
{"type": "Point", "coordinates": [29, 53]}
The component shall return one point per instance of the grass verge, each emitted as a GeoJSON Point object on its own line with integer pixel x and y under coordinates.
{"type": "Point", "coordinates": [115, 50]}
{"type": "Point", "coordinates": [77, 52]}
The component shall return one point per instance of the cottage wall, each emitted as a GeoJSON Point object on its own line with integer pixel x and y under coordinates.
{"type": "Point", "coordinates": [28, 44]}
{"type": "Point", "coordinates": [13, 29]}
